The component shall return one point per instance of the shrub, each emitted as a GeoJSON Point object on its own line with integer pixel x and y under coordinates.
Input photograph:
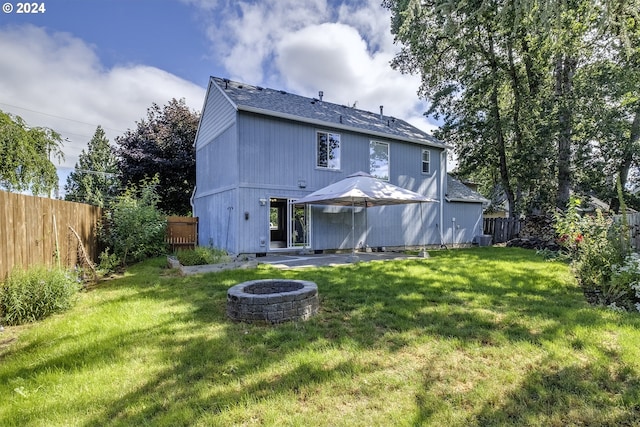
{"type": "Point", "coordinates": [134, 228]}
{"type": "Point", "coordinates": [596, 246]}
{"type": "Point", "coordinates": [108, 262]}
{"type": "Point", "coordinates": [623, 291]}
{"type": "Point", "coordinates": [201, 255]}
{"type": "Point", "coordinates": [30, 295]}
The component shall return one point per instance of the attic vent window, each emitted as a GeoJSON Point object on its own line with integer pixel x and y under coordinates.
{"type": "Point", "coordinates": [240, 86]}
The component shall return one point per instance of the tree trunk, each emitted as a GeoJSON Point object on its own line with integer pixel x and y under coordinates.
{"type": "Point", "coordinates": [495, 112]}
{"type": "Point", "coordinates": [517, 129]}
{"type": "Point", "coordinates": [564, 70]}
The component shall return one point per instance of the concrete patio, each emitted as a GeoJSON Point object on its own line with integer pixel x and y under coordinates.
{"type": "Point", "coordinates": [292, 261]}
{"type": "Point", "coordinates": [320, 260]}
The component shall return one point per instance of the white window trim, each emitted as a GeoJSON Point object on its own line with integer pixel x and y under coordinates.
{"type": "Point", "coordinates": [388, 158]}
{"type": "Point", "coordinates": [424, 150]}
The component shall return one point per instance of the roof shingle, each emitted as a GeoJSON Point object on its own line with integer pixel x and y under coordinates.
{"type": "Point", "coordinates": [283, 104]}
{"type": "Point", "coordinates": [458, 192]}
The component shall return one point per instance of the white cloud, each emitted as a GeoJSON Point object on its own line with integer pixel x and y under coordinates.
{"type": "Point", "coordinates": [244, 34]}
{"type": "Point", "coordinates": [372, 22]}
{"type": "Point", "coordinates": [56, 80]}
{"type": "Point", "coordinates": [334, 58]}
{"type": "Point", "coordinates": [303, 47]}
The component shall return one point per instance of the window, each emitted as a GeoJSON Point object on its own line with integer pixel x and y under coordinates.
{"type": "Point", "coordinates": [328, 149]}
{"type": "Point", "coordinates": [426, 156]}
{"type": "Point", "coordinates": [379, 159]}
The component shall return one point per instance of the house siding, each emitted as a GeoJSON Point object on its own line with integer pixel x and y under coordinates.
{"type": "Point", "coordinates": [216, 163]}
{"type": "Point", "coordinates": [218, 222]}
{"type": "Point", "coordinates": [218, 113]}
{"type": "Point", "coordinates": [279, 153]}
{"type": "Point", "coordinates": [467, 225]}
{"type": "Point", "coordinates": [389, 226]}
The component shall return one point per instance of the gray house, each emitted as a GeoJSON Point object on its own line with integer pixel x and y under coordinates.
{"type": "Point", "coordinates": [258, 150]}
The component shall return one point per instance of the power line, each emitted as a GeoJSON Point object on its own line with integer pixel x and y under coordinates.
{"type": "Point", "coordinates": [107, 174]}
{"type": "Point", "coordinates": [60, 117]}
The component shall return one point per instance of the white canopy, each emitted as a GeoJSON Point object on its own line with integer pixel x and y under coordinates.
{"type": "Point", "coordinates": [362, 190]}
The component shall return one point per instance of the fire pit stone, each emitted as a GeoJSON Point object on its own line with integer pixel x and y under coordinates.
{"type": "Point", "coordinates": [272, 301]}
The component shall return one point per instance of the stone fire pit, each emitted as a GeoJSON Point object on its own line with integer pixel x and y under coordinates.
{"type": "Point", "coordinates": [272, 301]}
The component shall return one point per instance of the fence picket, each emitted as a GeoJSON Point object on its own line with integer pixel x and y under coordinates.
{"type": "Point", "coordinates": [633, 222]}
{"type": "Point", "coordinates": [502, 229]}
{"type": "Point", "coordinates": [182, 232]}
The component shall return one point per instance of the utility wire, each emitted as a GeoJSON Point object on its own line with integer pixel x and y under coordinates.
{"type": "Point", "coordinates": [60, 117]}
{"type": "Point", "coordinates": [107, 174]}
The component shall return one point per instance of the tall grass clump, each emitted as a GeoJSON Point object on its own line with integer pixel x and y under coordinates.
{"type": "Point", "coordinates": [30, 295]}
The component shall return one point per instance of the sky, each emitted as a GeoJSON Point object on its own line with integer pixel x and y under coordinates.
{"type": "Point", "coordinates": [77, 64]}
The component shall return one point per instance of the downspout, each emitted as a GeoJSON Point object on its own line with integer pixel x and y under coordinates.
{"type": "Point", "coordinates": [192, 200]}
{"type": "Point", "coordinates": [443, 181]}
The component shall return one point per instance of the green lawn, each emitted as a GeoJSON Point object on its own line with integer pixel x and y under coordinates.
{"type": "Point", "coordinates": [487, 336]}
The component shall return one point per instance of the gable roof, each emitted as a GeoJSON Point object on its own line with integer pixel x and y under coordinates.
{"type": "Point", "coordinates": [458, 192]}
{"type": "Point", "coordinates": [278, 103]}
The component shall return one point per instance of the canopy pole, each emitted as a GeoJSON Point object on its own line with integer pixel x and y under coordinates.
{"type": "Point", "coordinates": [354, 257]}
{"type": "Point", "coordinates": [366, 225]}
{"type": "Point", "coordinates": [423, 253]}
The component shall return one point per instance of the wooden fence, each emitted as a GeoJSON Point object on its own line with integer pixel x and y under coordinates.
{"type": "Point", "coordinates": [40, 231]}
{"type": "Point", "coordinates": [182, 232]}
{"type": "Point", "coordinates": [505, 229]}
{"type": "Point", "coordinates": [633, 222]}
{"type": "Point", "coordinates": [502, 229]}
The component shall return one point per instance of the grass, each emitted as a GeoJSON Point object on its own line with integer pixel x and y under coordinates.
{"type": "Point", "coordinates": [487, 336]}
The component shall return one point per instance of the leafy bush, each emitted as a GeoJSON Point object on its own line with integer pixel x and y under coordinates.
{"type": "Point", "coordinates": [108, 262]}
{"type": "Point", "coordinates": [134, 228]}
{"type": "Point", "coordinates": [624, 289]}
{"type": "Point", "coordinates": [30, 295]}
{"type": "Point", "coordinates": [597, 247]}
{"type": "Point", "coordinates": [201, 255]}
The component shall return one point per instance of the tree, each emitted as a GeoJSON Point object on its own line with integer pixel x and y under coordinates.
{"type": "Point", "coordinates": [502, 75]}
{"type": "Point", "coordinates": [26, 156]}
{"type": "Point", "coordinates": [162, 145]}
{"type": "Point", "coordinates": [95, 177]}
{"type": "Point", "coordinates": [481, 72]}
{"type": "Point", "coordinates": [610, 120]}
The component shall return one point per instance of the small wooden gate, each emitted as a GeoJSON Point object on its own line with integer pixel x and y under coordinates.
{"type": "Point", "coordinates": [182, 232]}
